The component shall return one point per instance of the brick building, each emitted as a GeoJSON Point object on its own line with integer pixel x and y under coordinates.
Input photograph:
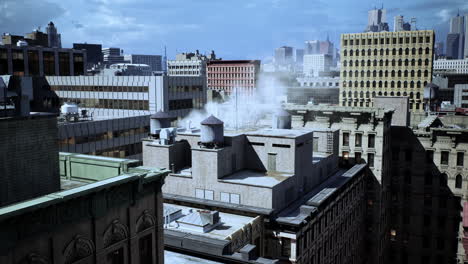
{"type": "Point", "coordinates": [226, 75]}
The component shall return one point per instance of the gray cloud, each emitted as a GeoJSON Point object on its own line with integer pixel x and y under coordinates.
{"type": "Point", "coordinates": [22, 16]}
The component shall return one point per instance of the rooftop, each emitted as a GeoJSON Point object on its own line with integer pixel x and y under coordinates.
{"type": "Point", "coordinates": [284, 133]}
{"type": "Point", "coordinates": [230, 223]}
{"type": "Point", "coordinates": [255, 178]}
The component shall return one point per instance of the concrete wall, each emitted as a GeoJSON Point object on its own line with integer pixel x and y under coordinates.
{"type": "Point", "coordinates": [401, 114]}
{"type": "Point", "coordinates": [29, 163]}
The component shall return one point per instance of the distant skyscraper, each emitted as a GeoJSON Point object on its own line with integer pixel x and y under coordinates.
{"type": "Point", "coordinates": [284, 55]}
{"type": "Point", "coordinates": [53, 37]}
{"type": "Point", "coordinates": [453, 45]}
{"type": "Point", "coordinates": [314, 64]}
{"type": "Point", "coordinates": [439, 48]}
{"type": "Point", "coordinates": [312, 47]}
{"type": "Point", "coordinates": [299, 56]}
{"type": "Point", "coordinates": [399, 24]}
{"type": "Point", "coordinates": [376, 20]}
{"type": "Point", "coordinates": [457, 27]}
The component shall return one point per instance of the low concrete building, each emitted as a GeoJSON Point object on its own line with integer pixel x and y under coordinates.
{"type": "Point", "coordinates": [460, 95]}
{"type": "Point", "coordinates": [269, 186]}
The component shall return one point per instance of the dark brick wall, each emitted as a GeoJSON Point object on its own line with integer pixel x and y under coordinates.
{"type": "Point", "coordinates": [29, 162]}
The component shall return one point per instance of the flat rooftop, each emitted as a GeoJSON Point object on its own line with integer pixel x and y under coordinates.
{"type": "Point", "coordinates": [257, 178]}
{"type": "Point", "coordinates": [230, 223]}
{"type": "Point", "coordinates": [283, 133]}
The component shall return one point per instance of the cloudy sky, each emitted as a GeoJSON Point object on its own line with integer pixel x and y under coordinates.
{"type": "Point", "coordinates": [235, 29]}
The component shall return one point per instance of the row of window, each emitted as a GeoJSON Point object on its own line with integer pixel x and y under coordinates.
{"type": "Point", "coordinates": [388, 40]}
{"type": "Point", "coordinates": [230, 69]}
{"type": "Point", "coordinates": [185, 88]}
{"type": "Point", "coordinates": [385, 63]}
{"type": "Point", "coordinates": [102, 136]}
{"type": "Point", "coordinates": [386, 73]}
{"type": "Point", "coordinates": [95, 88]}
{"type": "Point", "coordinates": [386, 52]}
{"type": "Point", "coordinates": [231, 75]}
{"type": "Point", "coordinates": [384, 84]}
{"type": "Point", "coordinates": [358, 140]}
{"type": "Point", "coordinates": [224, 196]}
{"type": "Point", "coordinates": [108, 103]}
{"type": "Point", "coordinates": [369, 95]}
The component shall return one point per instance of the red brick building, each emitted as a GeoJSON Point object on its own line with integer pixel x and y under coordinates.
{"type": "Point", "coordinates": [226, 75]}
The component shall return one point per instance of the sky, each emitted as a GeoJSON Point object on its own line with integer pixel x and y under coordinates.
{"type": "Point", "coordinates": [235, 29]}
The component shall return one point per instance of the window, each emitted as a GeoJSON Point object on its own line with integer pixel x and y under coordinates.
{"type": "Point", "coordinates": [116, 257]}
{"type": "Point", "coordinates": [145, 245]}
{"type": "Point", "coordinates": [204, 194]}
{"type": "Point", "coordinates": [444, 157]}
{"type": "Point", "coordinates": [315, 144]}
{"type": "Point", "coordinates": [371, 141]}
{"type": "Point", "coordinates": [370, 159]}
{"type": "Point", "coordinates": [460, 158]}
{"type": "Point", "coordinates": [357, 157]}
{"type": "Point", "coordinates": [345, 139]}
{"type": "Point", "coordinates": [345, 155]}
{"type": "Point", "coordinates": [458, 181]}
{"type": "Point", "coordinates": [358, 140]}
{"type": "Point", "coordinates": [230, 198]}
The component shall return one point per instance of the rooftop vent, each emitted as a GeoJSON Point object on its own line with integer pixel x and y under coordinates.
{"type": "Point", "coordinates": [159, 121]}
{"type": "Point", "coordinates": [212, 132]}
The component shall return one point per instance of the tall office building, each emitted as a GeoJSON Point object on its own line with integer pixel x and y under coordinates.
{"type": "Point", "coordinates": [312, 47]}
{"type": "Point", "coordinates": [284, 55]}
{"type": "Point", "coordinates": [385, 64]}
{"type": "Point", "coordinates": [54, 38]}
{"type": "Point", "coordinates": [112, 56]}
{"type": "Point", "coordinates": [93, 51]}
{"type": "Point", "coordinates": [299, 56]}
{"type": "Point", "coordinates": [376, 21]}
{"type": "Point", "coordinates": [399, 24]}
{"type": "Point", "coordinates": [154, 61]}
{"type": "Point", "coordinates": [439, 49]}
{"type": "Point", "coordinates": [456, 37]}
{"type": "Point", "coordinates": [453, 45]}
{"type": "Point", "coordinates": [314, 64]}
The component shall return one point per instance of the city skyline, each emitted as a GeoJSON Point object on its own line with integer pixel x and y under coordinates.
{"type": "Point", "coordinates": [145, 27]}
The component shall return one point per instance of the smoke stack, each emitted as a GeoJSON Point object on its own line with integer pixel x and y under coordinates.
{"type": "Point", "coordinates": [212, 132]}
{"type": "Point", "coordinates": [281, 120]}
{"type": "Point", "coordinates": [159, 121]}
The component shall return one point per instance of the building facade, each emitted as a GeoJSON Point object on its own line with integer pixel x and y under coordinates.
{"type": "Point", "coordinates": [315, 64]}
{"type": "Point", "coordinates": [93, 53]}
{"type": "Point", "coordinates": [112, 56]}
{"type": "Point", "coordinates": [154, 61]}
{"type": "Point", "coordinates": [41, 61]}
{"type": "Point", "coordinates": [124, 96]}
{"type": "Point", "coordinates": [377, 20]}
{"type": "Point", "coordinates": [385, 64]}
{"type": "Point", "coordinates": [460, 95]}
{"type": "Point", "coordinates": [451, 66]}
{"type": "Point", "coordinates": [284, 55]}
{"type": "Point", "coordinates": [99, 216]}
{"type": "Point", "coordinates": [314, 90]}
{"type": "Point", "coordinates": [454, 48]}
{"type": "Point", "coordinates": [189, 64]}
{"type": "Point", "coordinates": [230, 76]}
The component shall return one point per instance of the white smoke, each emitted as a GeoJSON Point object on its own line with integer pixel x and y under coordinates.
{"type": "Point", "coordinates": [243, 110]}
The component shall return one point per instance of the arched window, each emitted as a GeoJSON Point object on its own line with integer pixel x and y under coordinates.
{"type": "Point", "coordinates": [413, 62]}
{"type": "Point", "coordinates": [400, 51]}
{"type": "Point", "coordinates": [363, 63]}
{"type": "Point", "coordinates": [381, 62]}
{"type": "Point", "coordinates": [375, 63]}
{"type": "Point", "coordinates": [405, 94]}
{"type": "Point", "coordinates": [426, 62]}
{"type": "Point", "coordinates": [374, 74]}
{"type": "Point", "coordinates": [350, 94]}
{"type": "Point", "coordinates": [344, 73]}
{"type": "Point", "coordinates": [406, 63]}
{"type": "Point", "coordinates": [405, 73]}
{"type": "Point", "coordinates": [392, 94]}
{"type": "Point", "coordinates": [398, 94]}
{"type": "Point", "coordinates": [387, 52]}
{"type": "Point", "coordinates": [398, 84]}
{"type": "Point", "coordinates": [368, 84]}
{"type": "Point", "coordinates": [381, 52]}
{"type": "Point", "coordinates": [362, 83]}
{"type": "Point", "coordinates": [369, 52]}
{"type": "Point", "coordinates": [380, 84]}
{"type": "Point", "coordinates": [375, 52]}
{"type": "Point", "coordinates": [350, 84]}
{"type": "Point", "coordinates": [351, 53]}
{"type": "Point", "coordinates": [368, 73]}
{"type": "Point", "coordinates": [373, 84]}
{"type": "Point", "coordinates": [361, 94]}
{"type": "Point", "coordinates": [367, 94]}
{"type": "Point", "coordinates": [356, 73]}
{"type": "Point", "coordinates": [363, 52]}
{"type": "Point", "coordinates": [458, 181]}
{"type": "Point", "coordinates": [386, 73]}
{"type": "Point", "coordinates": [427, 50]}
{"type": "Point", "coordinates": [380, 73]}
{"type": "Point", "coordinates": [350, 73]}
{"type": "Point", "coordinates": [385, 94]}
{"type": "Point", "coordinates": [362, 73]}
{"type": "Point", "coordinates": [411, 85]}
{"type": "Point", "coordinates": [368, 63]}
{"type": "Point", "coordinates": [413, 51]}
{"type": "Point", "coordinates": [385, 84]}
{"type": "Point", "coordinates": [400, 63]}
{"type": "Point", "coordinates": [425, 73]}
{"type": "Point", "coordinates": [393, 74]}
{"type": "Point", "coordinates": [373, 94]}
{"type": "Point", "coordinates": [418, 95]}
{"type": "Point", "coordinates": [356, 84]}
{"type": "Point", "coordinates": [392, 84]}
{"type": "Point", "coordinates": [399, 73]}
{"type": "Point", "coordinates": [386, 62]}
{"type": "Point", "coordinates": [393, 62]}
{"type": "Point", "coordinates": [357, 63]}
{"type": "Point", "coordinates": [393, 51]}
{"type": "Point", "coordinates": [420, 51]}
{"type": "Point", "coordinates": [419, 62]}
{"type": "Point", "coordinates": [357, 52]}
{"type": "Point", "coordinates": [412, 73]}
{"type": "Point", "coordinates": [405, 84]}
{"type": "Point", "coordinates": [345, 53]}
{"type": "Point", "coordinates": [355, 94]}
{"type": "Point", "coordinates": [407, 51]}
{"type": "Point", "coordinates": [350, 63]}
{"type": "Point", "coordinates": [411, 95]}
{"type": "Point", "coordinates": [419, 73]}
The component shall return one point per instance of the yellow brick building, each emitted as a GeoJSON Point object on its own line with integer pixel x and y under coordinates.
{"type": "Point", "coordinates": [386, 64]}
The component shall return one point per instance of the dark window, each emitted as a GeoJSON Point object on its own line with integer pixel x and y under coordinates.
{"type": "Point", "coordinates": [49, 63]}
{"type": "Point", "coordinates": [281, 146]}
{"type": "Point", "coordinates": [18, 62]}
{"type": "Point", "coordinates": [3, 62]}
{"type": "Point", "coordinates": [78, 64]}
{"type": "Point", "coordinates": [64, 64]}
{"type": "Point", "coordinates": [358, 140]}
{"type": "Point", "coordinates": [116, 257]}
{"type": "Point", "coordinates": [33, 62]}
{"type": "Point", "coordinates": [460, 158]}
{"type": "Point", "coordinates": [371, 141]}
{"type": "Point", "coordinates": [370, 159]}
{"type": "Point", "coordinates": [257, 144]}
{"type": "Point", "coordinates": [146, 249]}
{"type": "Point", "coordinates": [458, 181]}
{"type": "Point", "coordinates": [345, 139]}
{"type": "Point", "coordinates": [444, 157]}
{"type": "Point", "coordinates": [357, 157]}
